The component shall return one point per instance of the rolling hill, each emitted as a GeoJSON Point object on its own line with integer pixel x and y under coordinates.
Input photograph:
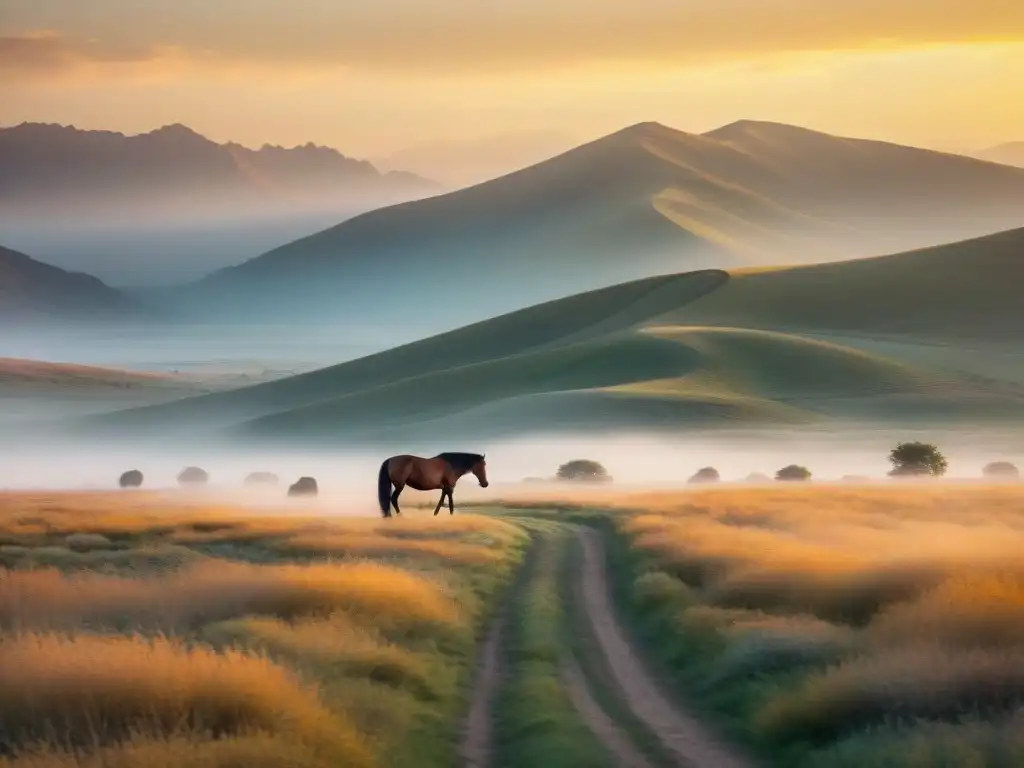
{"type": "Point", "coordinates": [33, 292]}
{"type": "Point", "coordinates": [645, 200]}
{"type": "Point", "coordinates": [794, 345]}
{"type": "Point", "coordinates": [36, 389]}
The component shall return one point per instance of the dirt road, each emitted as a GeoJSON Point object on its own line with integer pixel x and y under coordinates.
{"type": "Point", "coordinates": [669, 736]}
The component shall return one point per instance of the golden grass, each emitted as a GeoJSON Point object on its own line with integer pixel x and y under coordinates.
{"type": "Point", "coordinates": [94, 690]}
{"type": "Point", "coordinates": [841, 555]}
{"type": "Point", "coordinates": [387, 632]}
{"type": "Point", "coordinates": [217, 590]}
{"type": "Point", "coordinates": [968, 611]}
{"type": "Point", "coordinates": [878, 607]}
{"type": "Point", "coordinates": [345, 645]}
{"type": "Point", "coordinates": [373, 545]}
{"type": "Point", "coordinates": [905, 684]}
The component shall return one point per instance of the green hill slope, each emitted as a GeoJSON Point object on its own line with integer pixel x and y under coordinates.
{"type": "Point", "coordinates": [788, 345]}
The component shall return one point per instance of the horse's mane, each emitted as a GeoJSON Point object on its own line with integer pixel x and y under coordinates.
{"type": "Point", "coordinates": [461, 461]}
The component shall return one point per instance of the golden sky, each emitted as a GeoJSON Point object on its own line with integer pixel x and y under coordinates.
{"type": "Point", "coordinates": [375, 76]}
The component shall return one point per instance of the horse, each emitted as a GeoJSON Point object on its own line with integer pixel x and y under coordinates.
{"type": "Point", "coordinates": [441, 471]}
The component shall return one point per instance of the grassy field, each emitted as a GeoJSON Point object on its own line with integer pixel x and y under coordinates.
{"type": "Point", "coordinates": [808, 345]}
{"type": "Point", "coordinates": [837, 626]}
{"type": "Point", "coordinates": [811, 626]}
{"type": "Point", "coordinates": [140, 631]}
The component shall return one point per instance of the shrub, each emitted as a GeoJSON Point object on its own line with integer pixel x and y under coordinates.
{"type": "Point", "coordinates": [94, 690]}
{"type": "Point", "coordinates": [304, 486]}
{"type": "Point", "coordinates": [916, 460]}
{"type": "Point", "coordinates": [583, 470]}
{"type": "Point", "coordinates": [1002, 470]}
{"type": "Point", "coordinates": [793, 473]}
{"type": "Point", "coordinates": [706, 475]}
{"type": "Point", "coordinates": [193, 476]}
{"type": "Point", "coordinates": [130, 479]}
{"type": "Point", "coordinates": [758, 477]}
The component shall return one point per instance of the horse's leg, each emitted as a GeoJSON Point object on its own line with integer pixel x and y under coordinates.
{"type": "Point", "coordinates": [439, 503]}
{"type": "Point", "coordinates": [394, 497]}
{"type": "Point", "coordinates": [451, 502]}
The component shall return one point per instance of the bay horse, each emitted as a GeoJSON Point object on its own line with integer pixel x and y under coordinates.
{"type": "Point", "coordinates": [420, 474]}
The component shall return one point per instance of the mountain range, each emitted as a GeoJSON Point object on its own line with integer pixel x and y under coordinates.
{"type": "Point", "coordinates": [1011, 153]}
{"type": "Point", "coordinates": [67, 170]}
{"type": "Point", "coordinates": [645, 200]}
{"type": "Point", "coordinates": [171, 205]}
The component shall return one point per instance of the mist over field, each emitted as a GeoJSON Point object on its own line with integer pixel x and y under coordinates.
{"type": "Point", "coordinates": [347, 477]}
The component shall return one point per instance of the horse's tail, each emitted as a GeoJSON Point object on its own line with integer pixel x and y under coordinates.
{"type": "Point", "coordinates": [384, 489]}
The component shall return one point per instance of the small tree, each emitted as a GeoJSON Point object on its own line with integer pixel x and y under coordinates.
{"type": "Point", "coordinates": [793, 473]}
{"type": "Point", "coordinates": [1001, 470]}
{"type": "Point", "coordinates": [706, 475]}
{"type": "Point", "coordinates": [758, 477]}
{"type": "Point", "coordinates": [583, 471]}
{"type": "Point", "coordinates": [917, 460]}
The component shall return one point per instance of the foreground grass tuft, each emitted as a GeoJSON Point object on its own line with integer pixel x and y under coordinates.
{"type": "Point", "coordinates": [88, 690]}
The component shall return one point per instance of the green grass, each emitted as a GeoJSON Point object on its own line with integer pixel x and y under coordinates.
{"type": "Point", "coordinates": [578, 638]}
{"type": "Point", "coordinates": [535, 715]}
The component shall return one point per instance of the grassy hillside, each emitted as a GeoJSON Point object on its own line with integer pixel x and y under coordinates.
{"type": "Point", "coordinates": [793, 345]}
{"type": "Point", "coordinates": [645, 200]}
{"type": "Point", "coordinates": [31, 389]}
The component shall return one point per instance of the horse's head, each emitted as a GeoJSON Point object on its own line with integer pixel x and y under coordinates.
{"type": "Point", "coordinates": [480, 470]}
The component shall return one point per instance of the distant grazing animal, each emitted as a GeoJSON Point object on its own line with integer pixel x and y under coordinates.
{"type": "Point", "coordinates": [442, 471]}
{"type": "Point", "coordinates": [193, 476]}
{"type": "Point", "coordinates": [261, 478]}
{"type": "Point", "coordinates": [304, 486]}
{"type": "Point", "coordinates": [130, 479]}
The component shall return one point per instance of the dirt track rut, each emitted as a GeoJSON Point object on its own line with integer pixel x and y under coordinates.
{"type": "Point", "coordinates": [682, 735]}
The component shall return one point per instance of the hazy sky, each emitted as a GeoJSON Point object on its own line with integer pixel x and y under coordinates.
{"type": "Point", "coordinates": [375, 77]}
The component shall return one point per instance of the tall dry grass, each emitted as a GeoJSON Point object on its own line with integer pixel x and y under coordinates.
{"type": "Point", "coordinates": [381, 614]}
{"type": "Point", "coordinates": [90, 690]}
{"type": "Point", "coordinates": [218, 590]}
{"type": "Point", "coordinates": [866, 608]}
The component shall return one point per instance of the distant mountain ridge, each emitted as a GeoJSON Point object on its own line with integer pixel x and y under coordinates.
{"type": "Point", "coordinates": [645, 200]}
{"type": "Point", "coordinates": [1011, 153]}
{"type": "Point", "coordinates": [33, 291]}
{"type": "Point", "coordinates": [68, 169]}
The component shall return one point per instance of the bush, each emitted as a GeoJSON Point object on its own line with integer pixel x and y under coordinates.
{"type": "Point", "coordinates": [706, 475]}
{"type": "Point", "coordinates": [793, 473]}
{"type": "Point", "coordinates": [1002, 470]}
{"type": "Point", "coordinates": [193, 476]}
{"type": "Point", "coordinates": [916, 460]}
{"type": "Point", "coordinates": [130, 479]}
{"type": "Point", "coordinates": [758, 477]}
{"type": "Point", "coordinates": [304, 486]}
{"type": "Point", "coordinates": [583, 470]}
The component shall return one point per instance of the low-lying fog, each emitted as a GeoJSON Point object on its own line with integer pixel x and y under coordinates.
{"type": "Point", "coordinates": [633, 462]}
